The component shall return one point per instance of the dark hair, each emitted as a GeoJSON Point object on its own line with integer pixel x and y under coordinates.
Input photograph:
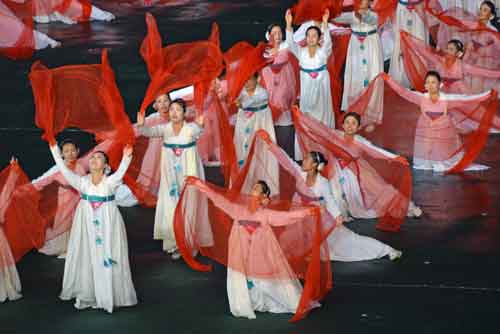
{"type": "Point", "coordinates": [433, 74]}
{"type": "Point", "coordinates": [494, 21]}
{"type": "Point", "coordinates": [318, 30]}
{"type": "Point", "coordinates": [67, 141]}
{"type": "Point", "coordinates": [106, 158]}
{"type": "Point", "coordinates": [271, 26]}
{"type": "Point", "coordinates": [354, 115]}
{"type": "Point", "coordinates": [458, 44]}
{"type": "Point", "coordinates": [318, 157]}
{"type": "Point", "coordinates": [180, 102]}
{"type": "Point", "coordinates": [265, 188]}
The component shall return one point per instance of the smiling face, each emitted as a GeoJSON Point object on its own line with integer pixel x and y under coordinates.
{"type": "Point", "coordinates": [162, 104]}
{"type": "Point", "coordinates": [70, 152]}
{"type": "Point", "coordinates": [176, 112]}
{"type": "Point", "coordinates": [485, 12]}
{"type": "Point", "coordinates": [432, 84]}
{"type": "Point", "coordinates": [276, 35]}
{"type": "Point", "coordinates": [350, 125]}
{"type": "Point", "coordinates": [312, 37]}
{"type": "Point", "coordinates": [97, 162]}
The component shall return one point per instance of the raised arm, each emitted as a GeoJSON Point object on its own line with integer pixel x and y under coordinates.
{"type": "Point", "coordinates": [46, 179]}
{"type": "Point", "coordinates": [327, 39]}
{"type": "Point", "coordinates": [153, 131]}
{"type": "Point", "coordinates": [115, 179]}
{"type": "Point", "coordinates": [289, 34]}
{"type": "Point", "coordinates": [345, 18]}
{"type": "Point", "coordinates": [73, 179]}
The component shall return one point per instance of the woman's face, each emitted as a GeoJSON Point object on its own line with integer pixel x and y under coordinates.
{"type": "Point", "coordinates": [97, 162]}
{"type": "Point", "coordinates": [364, 4]}
{"type": "Point", "coordinates": [276, 36]}
{"type": "Point", "coordinates": [432, 84]}
{"type": "Point", "coordinates": [70, 152]}
{"type": "Point", "coordinates": [251, 84]}
{"type": "Point", "coordinates": [162, 104]}
{"type": "Point", "coordinates": [451, 50]}
{"type": "Point", "coordinates": [484, 12]}
{"type": "Point", "coordinates": [308, 163]}
{"type": "Point", "coordinates": [176, 113]}
{"type": "Point", "coordinates": [312, 37]}
{"type": "Point", "coordinates": [257, 191]}
{"type": "Point", "coordinates": [350, 125]}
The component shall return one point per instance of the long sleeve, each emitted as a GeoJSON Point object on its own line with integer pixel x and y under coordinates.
{"type": "Point", "coordinates": [46, 179]}
{"type": "Point", "coordinates": [154, 131]}
{"type": "Point", "coordinates": [327, 42]}
{"type": "Point", "coordinates": [479, 71]}
{"type": "Point", "coordinates": [196, 129]}
{"type": "Point", "coordinates": [73, 179]}
{"type": "Point", "coordinates": [377, 150]}
{"type": "Point", "coordinates": [291, 43]}
{"type": "Point", "coordinates": [115, 179]}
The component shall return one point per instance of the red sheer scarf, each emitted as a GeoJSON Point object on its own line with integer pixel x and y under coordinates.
{"type": "Point", "coordinates": [23, 227]}
{"type": "Point", "coordinates": [300, 230]}
{"type": "Point", "coordinates": [306, 10]}
{"type": "Point", "coordinates": [385, 183]}
{"type": "Point", "coordinates": [396, 119]}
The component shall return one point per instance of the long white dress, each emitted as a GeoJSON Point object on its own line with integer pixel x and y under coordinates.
{"type": "Point", "coordinates": [97, 271]}
{"type": "Point", "coordinates": [10, 285]}
{"type": "Point", "coordinates": [253, 115]}
{"type": "Point", "coordinates": [248, 294]}
{"type": "Point", "coordinates": [344, 244]}
{"type": "Point", "coordinates": [407, 20]}
{"type": "Point", "coordinates": [364, 55]}
{"type": "Point", "coordinates": [315, 91]}
{"type": "Point", "coordinates": [179, 158]}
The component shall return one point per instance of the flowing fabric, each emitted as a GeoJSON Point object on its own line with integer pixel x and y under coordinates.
{"type": "Point", "coordinates": [482, 42]}
{"type": "Point", "coordinates": [24, 229]}
{"type": "Point", "coordinates": [307, 10]}
{"type": "Point", "coordinates": [446, 135]}
{"type": "Point", "coordinates": [16, 38]}
{"type": "Point", "coordinates": [179, 65]}
{"type": "Point", "coordinates": [458, 76]}
{"type": "Point", "coordinates": [290, 237]}
{"type": "Point", "coordinates": [383, 181]}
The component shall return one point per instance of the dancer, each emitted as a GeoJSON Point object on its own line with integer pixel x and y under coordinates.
{"type": "Point", "coordinates": [179, 158]}
{"type": "Point", "coordinates": [97, 271]}
{"type": "Point", "coordinates": [364, 56]}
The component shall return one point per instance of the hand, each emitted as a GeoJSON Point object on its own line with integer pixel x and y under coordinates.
{"type": "Point", "coordinates": [140, 119]}
{"type": "Point", "coordinates": [401, 160]}
{"type": "Point", "coordinates": [339, 221]}
{"type": "Point", "coordinates": [13, 160]}
{"type": "Point", "coordinates": [128, 150]}
{"type": "Point", "coordinates": [288, 19]}
{"type": "Point", "coordinates": [358, 15]}
{"type": "Point", "coordinates": [200, 120]}
{"type": "Point", "coordinates": [370, 128]}
{"type": "Point", "coordinates": [237, 103]}
{"type": "Point", "coordinates": [326, 16]}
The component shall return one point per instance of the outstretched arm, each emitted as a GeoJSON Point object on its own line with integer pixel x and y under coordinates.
{"type": "Point", "coordinates": [115, 179]}
{"type": "Point", "coordinates": [73, 179]}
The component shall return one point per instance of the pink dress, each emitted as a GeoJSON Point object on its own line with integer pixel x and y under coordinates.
{"type": "Point", "coordinates": [280, 81]}
{"type": "Point", "coordinates": [437, 140]}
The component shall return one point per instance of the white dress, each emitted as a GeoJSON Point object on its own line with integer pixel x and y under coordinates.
{"type": "Point", "coordinates": [364, 55]}
{"type": "Point", "coordinates": [253, 115]}
{"type": "Point", "coordinates": [248, 294]}
{"type": "Point", "coordinates": [97, 271]}
{"type": "Point", "coordinates": [344, 244]}
{"type": "Point", "coordinates": [315, 90]}
{"type": "Point", "coordinates": [179, 158]}
{"type": "Point", "coordinates": [409, 21]}
{"type": "Point", "coordinates": [96, 14]}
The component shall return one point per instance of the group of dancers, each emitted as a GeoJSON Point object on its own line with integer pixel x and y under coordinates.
{"type": "Point", "coordinates": [277, 223]}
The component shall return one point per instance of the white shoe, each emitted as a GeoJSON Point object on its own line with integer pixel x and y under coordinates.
{"type": "Point", "coordinates": [395, 255]}
{"type": "Point", "coordinates": [414, 211]}
{"type": "Point", "coordinates": [175, 255]}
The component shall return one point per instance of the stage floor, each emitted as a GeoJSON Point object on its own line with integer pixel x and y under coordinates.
{"type": "Point", "coordinates": [448, 280]}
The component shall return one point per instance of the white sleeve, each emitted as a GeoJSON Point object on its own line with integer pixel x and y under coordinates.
{"type": "Point", "coordinates": [154, 131]}
{"type": "Point", "coordinates": [115, 179]}
{"type": "Point", "coordinates": [73, 179]}
{"type": "Point", "coordinates": [345, 18]}
{"type": "Point", "coordinates": [368, 143]}
{"type": "Point", "coordinates": [292, 44]}
{"type": "Point", "coordinates": [327, 42]}
{"type": "Point", "coordinates": [329, 200]}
